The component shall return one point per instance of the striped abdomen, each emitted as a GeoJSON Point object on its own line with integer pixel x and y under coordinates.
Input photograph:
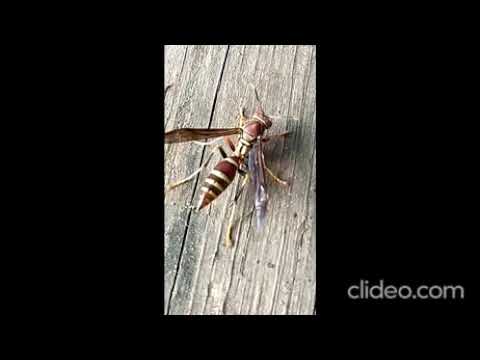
{"type": "Point", "coordinates": [218, 180]}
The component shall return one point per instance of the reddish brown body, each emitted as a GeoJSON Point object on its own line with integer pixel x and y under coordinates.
{"type": "Point", "coordinates": [224, 173]}
{"type": "Point", "coordinates": [253, 130]}
{"type": "Point", "coordinates": [247, 159]}
{"type": "Point", "coordinates": [218, 180]}
{"type": "Point", "coordinates": [259, 123]}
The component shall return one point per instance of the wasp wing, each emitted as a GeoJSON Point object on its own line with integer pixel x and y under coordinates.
{"type": "Point", "coordinates": [189, 134]}
{"type": "Point", "coordinates": [256, 165]}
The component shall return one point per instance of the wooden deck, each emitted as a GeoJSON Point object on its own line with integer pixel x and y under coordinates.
{"type": "Point", "coordinates": [268, 272]}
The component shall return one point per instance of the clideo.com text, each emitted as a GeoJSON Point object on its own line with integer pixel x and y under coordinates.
{"type": "Point", "coordinates": [379, 290]}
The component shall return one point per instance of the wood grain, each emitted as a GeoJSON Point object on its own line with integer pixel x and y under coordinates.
{"type": "Point", "coordinates": [266, 272]}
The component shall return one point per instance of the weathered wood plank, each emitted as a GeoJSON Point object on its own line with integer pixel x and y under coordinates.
{"type": "Point", "coordinates": [266, 272]}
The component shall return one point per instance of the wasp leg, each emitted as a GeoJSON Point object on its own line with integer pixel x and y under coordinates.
{"type": "Point", "coordinates": [229, 142]}
{"type": "Point", "coordinates": [192, 176]}
{"type": "Point", "coordinates": [228, 239]}
{"type": "Point", "coordinates": [231, 223]}
{"type": "Point", "coordinates": [255, 91]}
{"type": "Point", "coordinates": [242, 172]}
{"type": "Point", "coordinates": [278, 180]}
{"type": "Point", "coordinates": [246, 178]}
{"type": "Point", "coordinates": [271, 137]}
{"type": "Point", "coordinates": [242, 118]}
{"type": "Point", "coordinates": [206, 143]}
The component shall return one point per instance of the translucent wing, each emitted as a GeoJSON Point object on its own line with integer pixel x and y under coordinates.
{"type": "Point", "coordinates": [189, 134]}
{"type": "Point", "coordinates": [256, 167]}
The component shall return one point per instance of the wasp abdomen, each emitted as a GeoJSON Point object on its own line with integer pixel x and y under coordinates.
{"type": "Point", "coordinates": [218, 180]}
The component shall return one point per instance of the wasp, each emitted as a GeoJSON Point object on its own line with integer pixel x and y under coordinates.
{"type": "Point", "coordinates": [247, 159]}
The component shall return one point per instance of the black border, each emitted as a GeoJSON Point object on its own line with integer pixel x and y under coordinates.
{"type": "Point", "coordinates": [395, 139]}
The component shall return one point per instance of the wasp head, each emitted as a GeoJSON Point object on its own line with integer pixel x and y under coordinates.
{"type": "Point", "coordinates": [260, 115]}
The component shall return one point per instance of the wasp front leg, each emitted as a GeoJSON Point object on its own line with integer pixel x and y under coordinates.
{"type": "Point", "coordinates": [242, 119]}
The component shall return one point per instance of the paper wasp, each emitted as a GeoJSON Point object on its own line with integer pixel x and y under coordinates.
{"type": "Point", "coordinates": [247, 159]}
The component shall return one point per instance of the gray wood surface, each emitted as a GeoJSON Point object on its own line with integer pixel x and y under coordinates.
{"type": "Point", "coordinates": [268, 272]}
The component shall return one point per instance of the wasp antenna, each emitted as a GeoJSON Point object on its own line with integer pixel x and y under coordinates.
{"type": "Point", "coordinates": [281, 117]}
{"type": "Point", "coordinates": [256, 93]}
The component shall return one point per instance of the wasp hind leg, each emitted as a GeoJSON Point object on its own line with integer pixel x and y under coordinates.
{"type": "Point", "coordinates": [205, 143]}
{"type": "Point", "coordinates": [173, 185]}
{"type": "Point", "coordinates": [231, 222]}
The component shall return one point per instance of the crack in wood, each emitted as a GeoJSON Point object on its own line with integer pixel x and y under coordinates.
{"type": "Point", "coordinates": [195, 187]}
